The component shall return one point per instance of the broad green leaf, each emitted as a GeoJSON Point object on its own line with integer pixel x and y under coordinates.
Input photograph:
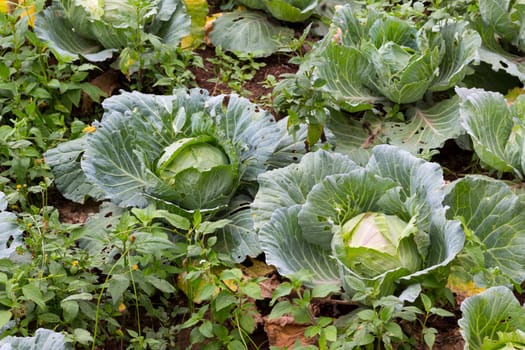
{"type": "Point", "coordinates": [489, 313]}
{"type": "Point", "coordinates": [33, 293]}
{"type": "Point", "coordinates": [338, 198]}
{"type": "Point", "coordinates": [285, 247]}
{"type": "Point", "coordinates": [11, 236]}
{"type": "Point", "coordinates": [420, 183]}
{"type": "Point", "coordinates": [112, 161]}
{"type": "Point", "coordinates": [496, 216]}
{"type": "Point", "coordinates": [461, 46]}
{"type": "Point", "coordinates": [291, 10]}
{"type": "Point", "coordinates": [344, 69]}
{"type": "Point", "coordinates": [490, 123]}
{"type": "Point", "coordinates": [288, 186]}
{"type": "Point", "coordinates": [53, 27]}
{"type": "Point", "coordinates": [238, 238]}
{"type": "Point", "coordinates": [356, 138]}
{"type": "Point", "coordinates": [496, 14]}
{"type": "Point", "coordinates": [162, 285]}
{"type": "Point", "coordinates": [249, 32]}
{"type": "Point", "coordinates": [44, 339]}
{"type": "Point", "coordinates": [5, 317]}
{"type": "Point", "coordinates": [427, 128]}
{"type": "Point", "coordinates": [253, 131]}
{"type": "Point", "coordinates": [117, 285]}
{"type": "Point", "coordinates": [172, 22]}
{"type": "Point", "coordinates": [70, 180]}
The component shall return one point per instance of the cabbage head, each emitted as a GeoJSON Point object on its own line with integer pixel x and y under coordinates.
{"type": "Point", "coordinates": [379, 227]}
{"type": "Point", "coordinates": [96, 29]}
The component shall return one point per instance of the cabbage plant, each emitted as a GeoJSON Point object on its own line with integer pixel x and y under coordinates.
{"type": "Point", "coordinates": [400, 72]}
{"type": "Point", "coordinates": [500, 24]}
{"type": "Point", "coordinates": [496, 128]}
{"type": "Point", "coordinates": [96, 29]}
{"type": "Point", "coordinates": [184, 152]}
{"type": "Point", "coordinates": [380, 226]}
{"type": "Point", "coordinates": [493, 319]}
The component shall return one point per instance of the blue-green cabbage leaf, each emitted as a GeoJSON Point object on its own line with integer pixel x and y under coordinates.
{"type": "Point", "coordinates": [382, 224]}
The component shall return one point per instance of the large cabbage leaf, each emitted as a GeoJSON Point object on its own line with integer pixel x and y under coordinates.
{"type": "Point", "coordinates": [493, 319]}
{"type": "Point", "coordinates": [495, 216]}
{"type": "Point", "coordinates": [44, 339]}
{"type": "Point", "coordinates": [11, 236]}
{"type": "Point", "coordinates": [298, 209]}
{"type": "Point", "coordinates": [496, 129]}
{"type": "Point", "coordinates": [249, 32]}
{"type": "Point", "coordinates": [501, 26]}
{"type": "Point", "coordinates": [284, 10]}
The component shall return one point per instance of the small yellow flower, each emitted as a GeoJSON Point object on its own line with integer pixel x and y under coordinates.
{"type": "Point", "coordinates": [135, 267]}
{"type": "Point", "coordinates": [89, 129]}
{"type": "Point", "coordinates": [18, 187]}
{"type": "Point", "coordinates": [122, 308]}
{"type": "Point", "coordinates": [74, 263]}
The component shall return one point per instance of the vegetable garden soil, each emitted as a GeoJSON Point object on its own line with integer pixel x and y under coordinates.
{"type": "Point", "coordinates": [281, 331]}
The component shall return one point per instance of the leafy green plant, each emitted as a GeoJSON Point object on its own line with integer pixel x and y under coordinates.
{"type": "Point", "coordinates": [300, 209]}
{"type": "Point", "coordinates": [371, 60]}
{"type": "Point", "coordinates": [492, 320]}
{"type": "Point", "coordinates": [495, 128]}
{"type": "Point", "coordinates": [163, 158]}
{"type": "Point", "coordinates": [233, 71]}
{"type": "Point", "coordinates": [290, 298]}
{"type": "Point", "coordinates": [284, 10]}
{"type": "Point", "coordinates": [102, 28]}
{"type": "Point", "coordinates": [37, 97]}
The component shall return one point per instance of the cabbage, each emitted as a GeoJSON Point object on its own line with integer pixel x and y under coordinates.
{"type": "Point", "coordinates": [96, 29]}
{"type": "Point", "coordinates": [375, 229]}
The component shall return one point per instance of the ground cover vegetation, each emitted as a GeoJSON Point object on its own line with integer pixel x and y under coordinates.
{"type": "Point", "coordinates": [273, 174]}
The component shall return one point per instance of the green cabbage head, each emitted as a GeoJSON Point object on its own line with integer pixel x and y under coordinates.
{"type": "Point", "coordinates": [373, 243]}
{"type": "Point", "coordinates": [375, 228]}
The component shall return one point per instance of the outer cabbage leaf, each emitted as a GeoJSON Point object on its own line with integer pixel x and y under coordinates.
{"type": "Point", "coordinates": [44, 339]}
{"type": "Point", "coordinates": [338, 198]}
{"type": "Point", "coordinates": [249, 32]}
{"type": "Point", "coordinates": [502, 29]}
{"type": "Point", "coordinates": [11, 236]}
{"type": "Point", "coordinates": [344, 70]}
{"type": "Point", "coordinates": [70, 180]}
{"type": "Point", "coordinates": [495, 215]}
{"type": "Point", "coordinates": [285, 187]}
{"type": "Point", "coordinates": [53, 27]}
{"type": "Point", "coordinates": [427, 128]}
{"type": "Point", "coordinates": [284, 10]}
{"type": "Point", "coordinates": [489, 315]}
{"type": "Point", "coordinates": [495, 128]}
{"type": "Point", "coordinates": [285, 247]}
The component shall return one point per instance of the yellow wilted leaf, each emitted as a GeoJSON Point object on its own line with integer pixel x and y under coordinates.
{"type": "Point", "coordinates": [197, 10]}
{"type": "Point", "coordinates": [4, 6]}
{"type": "Point", "coordinates": [513, 94]}
{"type": "Point", "coordinates": [463, 288]}
{"type": "Point", "coordinates": [27, 7]}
